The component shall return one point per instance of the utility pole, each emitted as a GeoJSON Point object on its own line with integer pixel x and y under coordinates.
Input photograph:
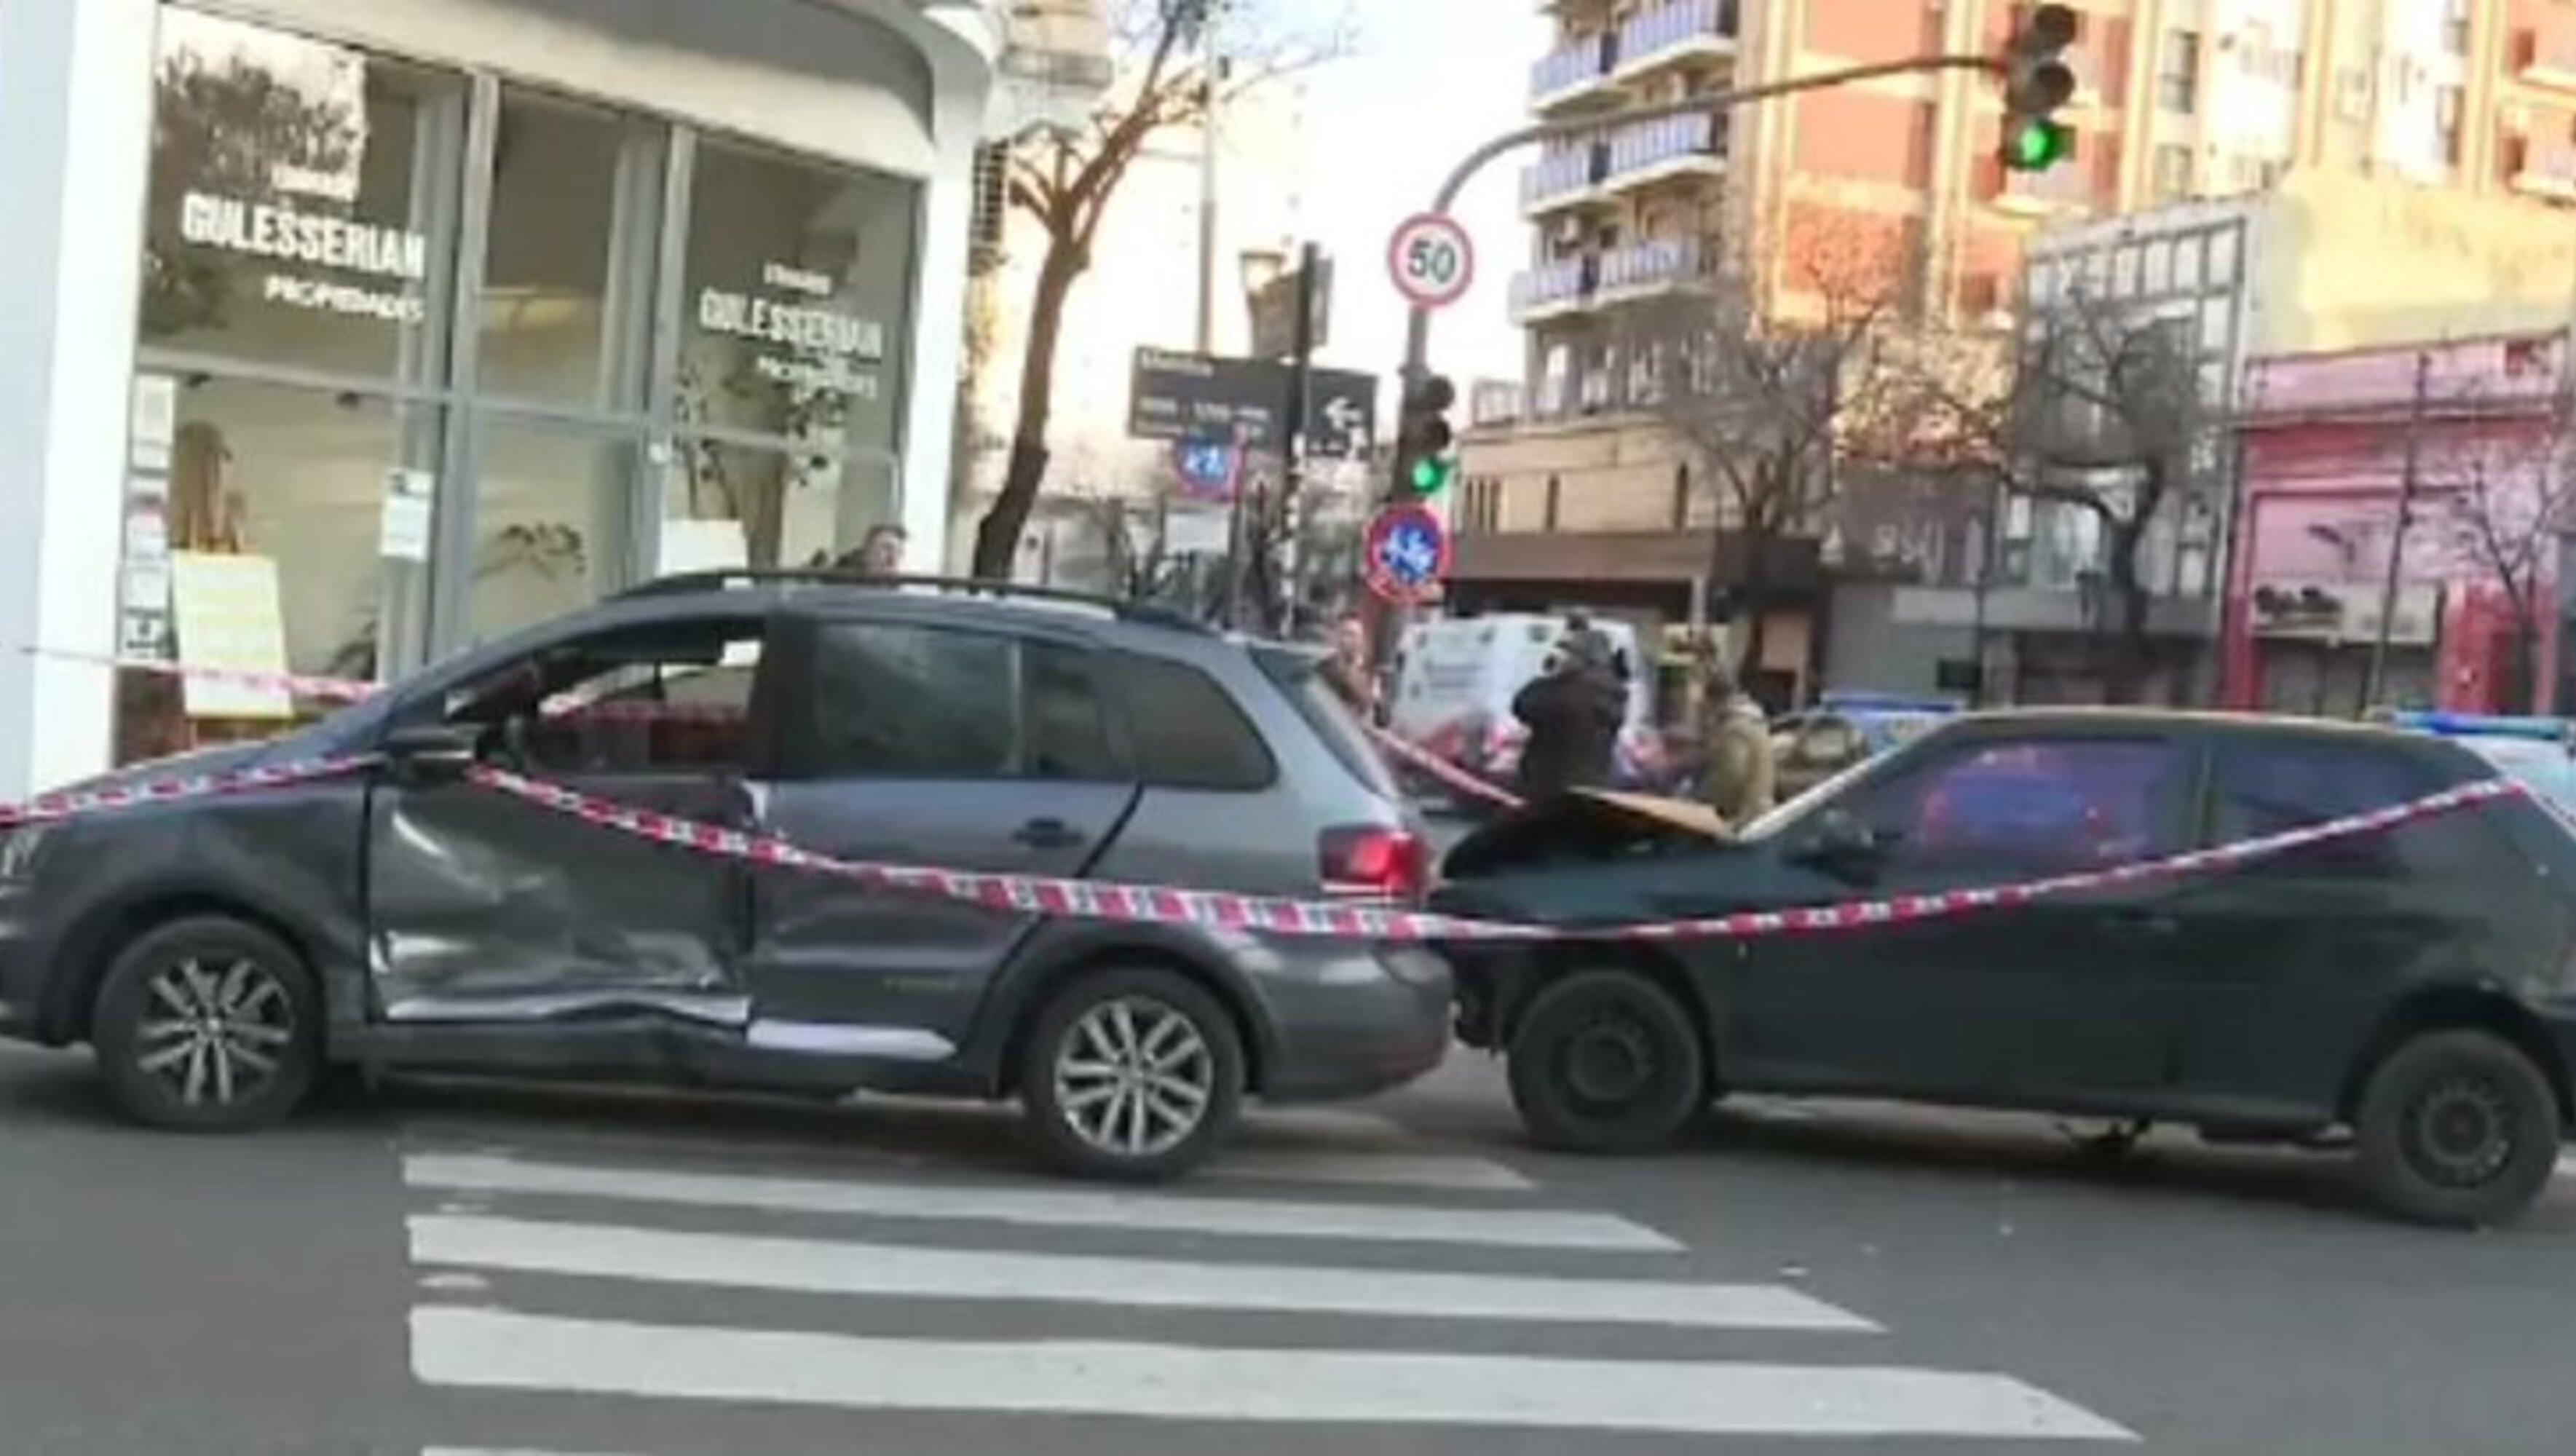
{"type": "Point", "coordinates": [1207, 206]}
{"type": "Point", "coordinates": [1300, 403]}
{"type": "Point", "coordinates": [2376, 682]}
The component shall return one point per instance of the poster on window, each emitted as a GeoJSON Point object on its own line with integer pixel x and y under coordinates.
{"type": "Point", "coordinates": [226, 611]}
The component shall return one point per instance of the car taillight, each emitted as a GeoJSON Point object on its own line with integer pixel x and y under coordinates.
{"type": "Point", "coordinates": [1375, 862]}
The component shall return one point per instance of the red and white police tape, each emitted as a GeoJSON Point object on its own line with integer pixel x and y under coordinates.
{"type": "Point", "coordinates": [1442, 769]}
{"type": "Point", "coordinates": [1164, 905]}
{"type": "Point", "coordinates": [1168, 905]}
{"type": "Point", "coordinates": [79, 803]}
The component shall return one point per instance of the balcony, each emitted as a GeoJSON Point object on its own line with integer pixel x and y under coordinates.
{"type": "Point", "coordinates": [2548, 170]}
{"type": "Point", "coordinates": [1654, 266]}
{"type": "Point", "coordinates": [2067, 187]}
{"type": "Point", "coordinates": [1562, 178]}
{"type": "Point", "coordinates": [1680, 31]}
{"type": "Point", "coordinates": [1578, 69]}
{"type": "Point", "coordinates": [2549, 58]}
{"type": "Point", "coordinates": [1650, 151]}
{"type": "Point", "coordinates": [1552, 290]}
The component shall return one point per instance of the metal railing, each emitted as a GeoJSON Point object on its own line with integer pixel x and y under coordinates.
{"type": "Point", "coordinates": [1670, 27]}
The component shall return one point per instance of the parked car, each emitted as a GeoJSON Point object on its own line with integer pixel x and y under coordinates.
{"type": "Point", "coordinates": [2414, 984]}
{"type": "Point", "coordinates": [217, 954]}
{"type": "Point", "coordinates": [2538, 752]}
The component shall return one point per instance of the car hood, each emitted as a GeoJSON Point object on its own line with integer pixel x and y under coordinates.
{"type": "Point", "coordinates": [1581, 826]}
{"type": "Point", "coordinates": [1600, 858]}
{"type": "Point", "coordinates": [221, 758]}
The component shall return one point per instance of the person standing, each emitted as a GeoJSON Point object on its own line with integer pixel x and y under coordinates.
{"type": "Point", "coordinates": [1573, 711]}
{"type": "Point", "coordinates": [1347, 670]}
{"type": "Point", "coordinates": [1742, 780]}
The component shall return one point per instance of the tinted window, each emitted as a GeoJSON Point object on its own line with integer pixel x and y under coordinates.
{"type": "Point", "coordinates": [637, 700]}
{"type": "Point", "coordinates": [1067, 733]}
{"type": "Point", "coordinates": [2042, 807]}
{"type": "Point", "coordinates": [2266, 788]}
{"type": "Point", "coordinates": [1186, 730]}
{"type": "Point", "coordinates": [911, 702]}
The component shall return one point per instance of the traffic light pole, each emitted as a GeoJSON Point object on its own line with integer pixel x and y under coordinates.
{"type": "Point", "coordinates": [1417, 331]}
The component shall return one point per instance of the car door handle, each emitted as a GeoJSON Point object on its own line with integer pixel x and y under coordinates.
{"type": "Point", "coordinates": [1047, 834]}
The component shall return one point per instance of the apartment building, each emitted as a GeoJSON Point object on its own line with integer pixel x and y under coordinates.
{"type": "Point", "coordinates": [1574, 495]}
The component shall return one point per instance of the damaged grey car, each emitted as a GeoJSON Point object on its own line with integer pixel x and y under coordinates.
{"type": "Point", "coordinates": [220, 955]}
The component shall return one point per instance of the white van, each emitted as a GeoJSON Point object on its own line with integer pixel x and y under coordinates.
{"type": "Point", "coordinates": [1455, 679]}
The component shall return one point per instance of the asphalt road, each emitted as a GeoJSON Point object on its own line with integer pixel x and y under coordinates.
{"type": "Point", "coordinates": [458, 1268]}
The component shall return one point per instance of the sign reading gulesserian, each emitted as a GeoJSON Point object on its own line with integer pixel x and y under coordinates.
{"type": "Point", "coordinates": [842, 351]}
{"type": "Point", "coordinates": [276, 230]}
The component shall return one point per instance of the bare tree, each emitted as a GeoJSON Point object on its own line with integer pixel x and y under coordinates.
{"type": "Point", "coordinates": [1761, 397]}
{"type": "Point", "coordinates": [1182, 58]}
{"type": "Point", "coordinates": [2504, 481]}
{"type": "Point", "coordinates": [2097, 409]}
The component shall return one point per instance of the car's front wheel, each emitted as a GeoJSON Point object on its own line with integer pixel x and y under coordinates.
{"type": "Point", "coordinates": [1132, 1074]}
{"type": "Point", "coordinates": [1606, 1061]}
{"type": "Point", "coordinates": [2457, 1127]}
{"type": "Point", "coordinates": [207, 1025]}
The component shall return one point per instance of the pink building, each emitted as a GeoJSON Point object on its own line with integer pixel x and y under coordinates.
{"type": "Point", "coordinates": [2324, 442]}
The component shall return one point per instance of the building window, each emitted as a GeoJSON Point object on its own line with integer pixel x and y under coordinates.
{"type": "Point", "coordinates": [2455, 26]}
{"type": "Point", "coordinates": [2178, 72]}
{"type": "Point", "coordinates": [2447, 106]}
{"type": "Point", "coordinates": [992, 200]}
{"type": "Point", "coordinates": [2173, 171]}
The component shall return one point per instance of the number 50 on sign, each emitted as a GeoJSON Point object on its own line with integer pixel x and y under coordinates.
{"type": "Point", "coordinates": [1431, 260]}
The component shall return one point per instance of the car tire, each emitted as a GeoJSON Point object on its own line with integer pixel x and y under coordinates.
{"type": "Point", "coordinates": [2457, 1128]}
{"type": "Point", "coordinates": [1606, 1062]}
{"type": "Point", "coordinates": [1133, 1074]}
{"type": "Point", "coordinates": [207, 1025]}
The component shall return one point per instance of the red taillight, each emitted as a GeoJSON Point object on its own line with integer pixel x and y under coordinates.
{"type": "Point", "coordinates": [1375, 862]}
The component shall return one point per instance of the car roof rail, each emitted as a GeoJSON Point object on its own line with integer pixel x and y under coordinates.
{"type": "Point", "coordinates": [1126, 609]}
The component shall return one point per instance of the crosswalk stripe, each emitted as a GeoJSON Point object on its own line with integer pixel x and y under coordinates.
{"type": "Point", "coordinates": [1272, 1218]}
{"type": "Point", "coordinates": [833, 1267]}
{"type": "Point", "coordinates": [502, 1349]}
{"type": "Point", "coordinates": [1391, 1166]}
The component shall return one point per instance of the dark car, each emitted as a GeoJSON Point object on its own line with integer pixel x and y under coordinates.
{"type": "Point", "coordinates": [218, 953]}
{"type": "Point", "coordinates": [2411, 983]}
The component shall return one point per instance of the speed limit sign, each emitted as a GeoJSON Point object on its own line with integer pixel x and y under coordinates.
{"type": "Point", "coordinates": [1432, 260]}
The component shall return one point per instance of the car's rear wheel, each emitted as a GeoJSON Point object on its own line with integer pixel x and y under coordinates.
{"type": "Point", "coordinates": [1606, 1061]}
{"type": "Point", "coordinates": [2457, 1127]}
{"type": "Point", "coordinates": [1134, 1074]}
{"type": "Point", "coordinates": [207, 1025]}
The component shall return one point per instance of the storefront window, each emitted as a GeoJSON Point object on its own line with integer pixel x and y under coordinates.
{"type": "Point", "coordinates": [553, 520]}
{"type": "Point", "coordinates": [744, 505]}
{"type": "Point", "coordinates": [302, 202]}
{"type": "Point", "coordinates": [322, 494]}
{"type": "Point", "coordinates": [793, 317]}
{"type": "Point", "coordinates": [576, 208]}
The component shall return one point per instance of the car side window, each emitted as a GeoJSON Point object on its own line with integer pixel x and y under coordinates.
{"type": "Point", "coordinates": [1186, 731]}
{"type": "Point", "coordinates": [894, 700]}
{"type": "Point", "coordinates": [2265, 788]}
{"type": "Point", "coordinates": [641, 700]}
{"type": "Point", "coordinates": [898, 701]}
{"type": "Point", "coordinates": [2038, 807]}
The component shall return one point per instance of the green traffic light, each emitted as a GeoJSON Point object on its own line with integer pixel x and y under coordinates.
{"type": "Point", "coordinates": [2037, 146]}
{"type": "Point", "coordinates": [1431, 474]}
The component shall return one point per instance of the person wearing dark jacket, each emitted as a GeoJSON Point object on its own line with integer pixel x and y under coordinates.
{"type": "Point", "coordinates": [1573, 712]}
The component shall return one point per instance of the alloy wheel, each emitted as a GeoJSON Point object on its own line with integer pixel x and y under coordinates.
{"type": "Point", "coordinates": [214, 1031]}
{"type": "Point", "coordinates": [1134, 1078]}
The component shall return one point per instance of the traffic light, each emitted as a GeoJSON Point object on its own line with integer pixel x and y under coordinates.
{"type": "Point", "coordinates": [1423, 439]}
{"type": "Point", "coordinates": [2037, 81]}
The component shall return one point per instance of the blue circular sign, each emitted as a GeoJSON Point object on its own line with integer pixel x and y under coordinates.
{"type": "Point", "coordinates": [1406, 554]}
{"type": "Point", "coordinates": [1206, 467]}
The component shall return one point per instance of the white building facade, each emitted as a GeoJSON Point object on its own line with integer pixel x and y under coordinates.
{"type": "Point", "coordinates": [346, 335]}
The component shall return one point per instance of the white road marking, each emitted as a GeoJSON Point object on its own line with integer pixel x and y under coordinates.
{"type": "Point", "coordinates": [453, 1281]}
{"type": "Point", "coordinates": [833, 1267]}
{"type": "Point", "coordinates": [2567, 1165]}
{"type": "Point", "coordinates": [1161, 1212]}
{"type": "Point", "coordinates": [1392, 1166]}
{"type": "Point", "coordinates": [505, 1350]}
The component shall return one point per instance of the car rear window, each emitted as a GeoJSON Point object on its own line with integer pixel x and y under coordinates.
{"type": "Point", "coordinates": [1300, 676]}
{"type": "Point", "coordinates": [1187, 732]}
